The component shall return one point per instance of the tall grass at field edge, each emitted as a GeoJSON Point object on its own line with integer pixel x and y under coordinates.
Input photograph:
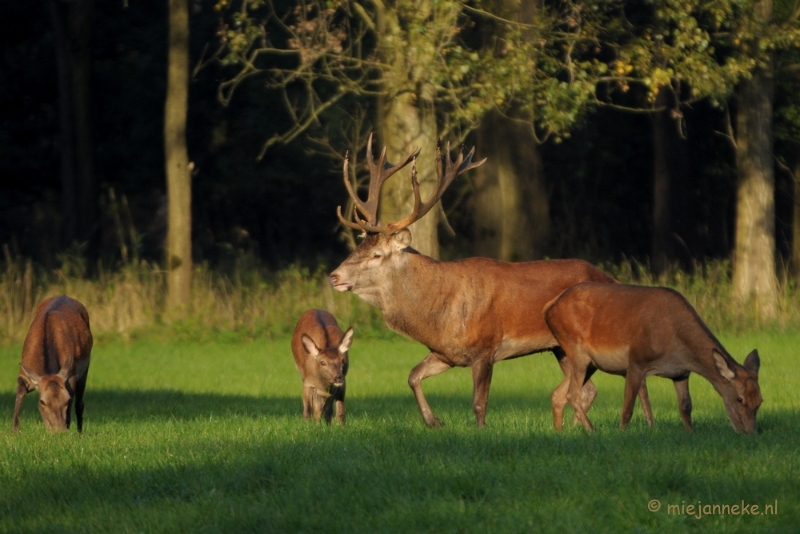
{"type": "Point", "coordinates": [252, 301]}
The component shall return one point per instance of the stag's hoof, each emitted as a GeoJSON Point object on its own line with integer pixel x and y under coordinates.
{"type": "Point", "coordinates": [434, 423]}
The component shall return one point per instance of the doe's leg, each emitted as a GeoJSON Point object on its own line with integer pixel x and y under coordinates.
{"type": "Point", "coordinates": [684, 401]}
{"type": "Point", "coordinates": [22, 390]}
{"type": "Point", "coordinates": [634, 379]}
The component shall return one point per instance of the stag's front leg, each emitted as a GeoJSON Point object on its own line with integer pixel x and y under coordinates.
{"type": "Point", "coordinates": [559, 401]}
{"type": "Point", "coordinates": [430, 366]}
{"type": "Point", "coordinates": [482, 380]}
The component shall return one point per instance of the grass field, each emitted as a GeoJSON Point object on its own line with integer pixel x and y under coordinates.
{"type": "Point", "coordinates": [208, 437]}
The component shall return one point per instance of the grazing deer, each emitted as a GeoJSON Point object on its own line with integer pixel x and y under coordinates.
{"type": "Point", "coordinates": [320, 355]}
{"type": "Point", "coordinates": [640, 331]}
{"type": "Point", "coordinates": [469, 313]}
{"type": "Point", "coordinates": [55, 362]}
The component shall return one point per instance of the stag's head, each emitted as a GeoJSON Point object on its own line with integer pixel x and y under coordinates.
{"type": "Point", "coordinates": [55, 394]}
{"type": "Point", "coordinates": [382, 248]}
{"type": "Point", "coordinates": [743, 396]}
{"type": "Point", "coordinates": [331, 361]}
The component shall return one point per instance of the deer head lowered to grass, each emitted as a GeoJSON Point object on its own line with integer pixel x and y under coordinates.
{"type": "Point", "coordinates": [55, 362]}
{"type": "Point", "coordinates": [469, 313]}
{"type": "Point", "coordinates": [639, 331]}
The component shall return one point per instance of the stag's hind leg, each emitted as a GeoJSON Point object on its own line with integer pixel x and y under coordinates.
{"type": "Point", "coordinates": [482, 381]}
{"type": "Point", "coordinates": [430, 366]}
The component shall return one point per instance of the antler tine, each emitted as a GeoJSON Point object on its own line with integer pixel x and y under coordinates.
{"type": "Point", "coordinates": [444, 176]}
{"type": "Point", "coordinates": [345, 222]}
{"type": "Point", "coordinates": [394, 227]}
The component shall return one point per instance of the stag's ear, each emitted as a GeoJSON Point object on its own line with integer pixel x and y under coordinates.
{"type": "Point", "coordinates": [401, 239]}
{"type": "Point", "coordinates": [347, 340]}
{"type": "Point", "coordinates": [310, 346]}
{"type": "Point", "coordinates": [722, 365]}
{"type": "Point", "coordinates": [752, 362]}
{"type": "Point", "coordinates": [33, 378]}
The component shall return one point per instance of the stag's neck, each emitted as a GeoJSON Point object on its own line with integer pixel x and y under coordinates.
{"type": "Point", "coordinates": [415, 298]}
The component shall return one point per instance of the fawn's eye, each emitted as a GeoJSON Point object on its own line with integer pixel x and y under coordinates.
{"type": "Point", "coordinates": [322, 363]}
{"type": "Point", "coordinates": [739, 400]}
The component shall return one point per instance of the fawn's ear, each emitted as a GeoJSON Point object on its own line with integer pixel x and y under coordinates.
{"type": "Point", "coordinates": [752, 362]}
{"type": "Point", "coordinates": [722, 365]}
{"type": "Point", "coordinates": [31, 375]}
{"type": "Point", "coordinates": [347, 340]}
{"type": "Point", "coordinates": [309, 345]}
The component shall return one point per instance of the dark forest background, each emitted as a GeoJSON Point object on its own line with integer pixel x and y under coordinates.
{"type": "Point", "coordinates": [281, 209]}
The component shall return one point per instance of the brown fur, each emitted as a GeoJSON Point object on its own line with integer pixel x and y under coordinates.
{"type": "Point", "coordinates": [55, 362]}
{"type": "Point", "coordinates": [640, 331]}
{"type": "Point", "coordinates": [320, 355]}
{"type": "Point", "coordinates": [469, 313]}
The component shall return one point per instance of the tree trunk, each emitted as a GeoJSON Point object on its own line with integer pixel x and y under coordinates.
{"type": "Point", "coordinates": [795, 254]}
{"type": "Point", "coordinates": [408, 120]}
{"type": "Point", "coordinates": [670, 164]}
{"type": "Point", "coordinates": [512, 213]}
{"type": "Point", "coordinates": [754, 255]}
{"type": "Point", "coordinates": [178, 168]}
{"type": "Point", "coordinates": [72, 23]}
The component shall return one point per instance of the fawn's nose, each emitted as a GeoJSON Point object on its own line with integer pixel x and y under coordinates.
{"type": "Point", "coordinates": [334, 279]}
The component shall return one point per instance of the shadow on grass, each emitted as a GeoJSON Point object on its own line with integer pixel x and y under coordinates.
{"type": "Point", "coordinates": [410, 479]}
{"type": "Point", "coordinates": [133, 405]}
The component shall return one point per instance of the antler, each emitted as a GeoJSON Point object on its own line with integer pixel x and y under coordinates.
{"type": "Point", "coordinates": [378, 174]}
{"type": "Point", "coordinates": [444, 177]}
{"type": "Point", "coordinates": [382, 171]}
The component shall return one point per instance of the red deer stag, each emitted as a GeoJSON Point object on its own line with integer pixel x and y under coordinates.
{"type": "Point", "coordinates": [639, 331]}
{"type": "Point", "coordinates": [469, 313]}
{"type": "Point", "coordinates": [55, 362]}
{"type": "Point", "coordinates": [320, 355]}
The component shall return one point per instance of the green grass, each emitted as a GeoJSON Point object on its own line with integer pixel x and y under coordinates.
{"type": "Point", "coordinates": [208, 437]}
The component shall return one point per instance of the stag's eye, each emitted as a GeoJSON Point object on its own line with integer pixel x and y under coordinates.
{"type": "Point", "coordinates": [41, 403]}
{"type": "Point", "coordinates": [322, 363]}
{"type": "Point", "coordinates": [739, 400]}
{"type": "Point", "coordinates": [376, 255]}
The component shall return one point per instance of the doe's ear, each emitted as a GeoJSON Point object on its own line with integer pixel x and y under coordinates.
{"type": "Point", "coordinates": [752, 362]}
{"type": "Point", "coordinates": [722, 365]}
{"type": "Point", "coordinates": [347, 341]}
{"type": "Point", "coordinates": [33, 377]}
{"type": "Point", "coordinates": [309, 345]}
{"type": "Point", "coordinates": [401, 239]}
